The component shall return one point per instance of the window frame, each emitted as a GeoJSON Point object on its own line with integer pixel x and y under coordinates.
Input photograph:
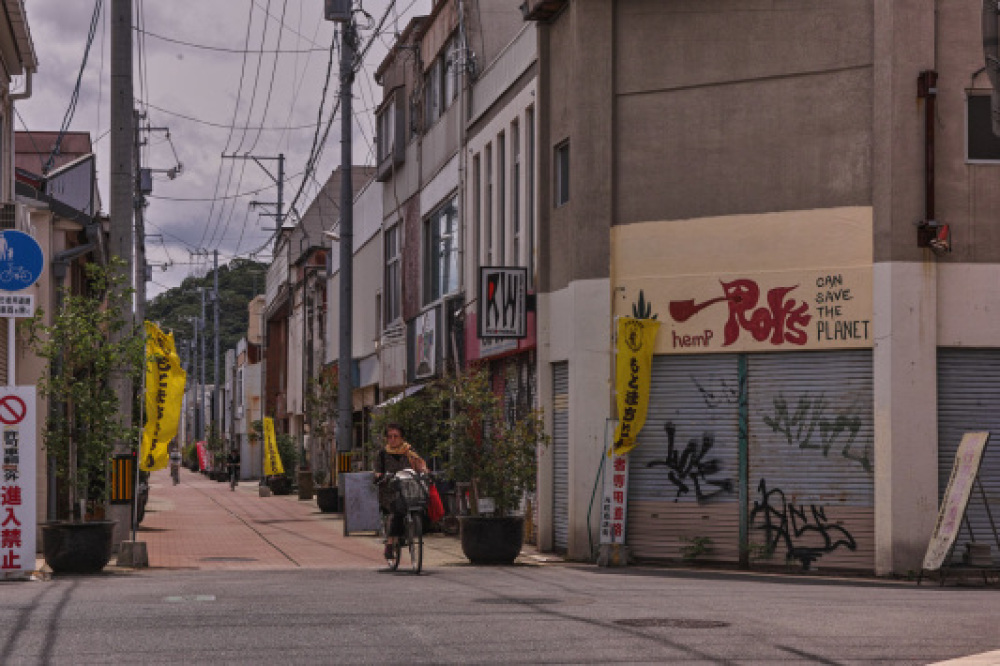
{"type": "Point", "coordinates": [561, 167]}
{"type": "Point", "coordinates": [502, 197]}
{"type": "Point", "coordinates": [978, 95]}
{"type": "Point", "coordinates": [439, 283]}
{"type": "Point", "coordinates": [393, 277]}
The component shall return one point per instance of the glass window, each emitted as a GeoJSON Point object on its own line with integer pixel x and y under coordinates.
{"type": "Point", "coordinates": [529, 203]}
{"type": "Point", "coordinates": [393, 274]}
{"type": "Point", "coordinates": [477, 208]}
{"type": "Point", "coordinates": [488, 209]}
{"type": "Point", "coordinates": [562, 173]}
{"type": "Point", "coordinates": [502, 197]}
{"type": "Point", "coordinates": [441, 252]}
{"type": "Point", "coordinates": [515, 194]}
{"type": "Point", "coordinates": [982, 144]}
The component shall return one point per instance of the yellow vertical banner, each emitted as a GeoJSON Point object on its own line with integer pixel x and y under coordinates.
{"type": "Point", "coordinates": [164, 393]}
{"type": "Point", "coordinates": [633, 366]}
{"type": "Point", "coordinates": [272, 460]}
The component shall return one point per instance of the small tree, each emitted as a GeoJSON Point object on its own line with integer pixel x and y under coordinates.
{"type": "Point", "coordinates": [423, 417]}
{"type": "Point", "coordinates": [496, 452]}
{"type": "Point", "coordinates": [321, 416]}
{"type": "Point", "coordinates": [86, 346]}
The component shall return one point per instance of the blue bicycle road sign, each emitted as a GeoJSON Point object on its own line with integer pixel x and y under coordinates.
{"type": "Point", "coordinates": [21, 260]}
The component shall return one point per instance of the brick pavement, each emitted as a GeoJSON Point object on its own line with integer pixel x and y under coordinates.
{"type": "Point", "coordinates": [202, 524]}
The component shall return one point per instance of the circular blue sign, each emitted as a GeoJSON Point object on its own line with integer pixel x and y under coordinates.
{"type": "Point", "coordinates": [20, 260]}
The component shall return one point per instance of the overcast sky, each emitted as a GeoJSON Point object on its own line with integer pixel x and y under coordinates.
{"type": "Point", "coordinates": [193, 77]}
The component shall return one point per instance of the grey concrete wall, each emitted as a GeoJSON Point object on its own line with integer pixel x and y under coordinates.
{"type": "Point", "coordinates": [741, 107]}
{"type": "Point", "coordinates": [967, 195]}
{"type": "Point", "coordinates": [577, 96]}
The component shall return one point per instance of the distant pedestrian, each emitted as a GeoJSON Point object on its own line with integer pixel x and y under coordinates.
{"type": "Point", "coordinates": [233, 463]}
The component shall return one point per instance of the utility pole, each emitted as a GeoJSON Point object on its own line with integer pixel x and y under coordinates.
{"type": "Point", "coordinates": [139, 201]}
{"type": "Point", "coordinates": [341, 12]}
{"type": "Point", "coordinates": [201, 398]}
{"type": "Point", "coordinates": [279, 214]}
{"type": "Point", "coordinates": [121, 209]}
{"type": "Point", "coordinates": [216, 392]}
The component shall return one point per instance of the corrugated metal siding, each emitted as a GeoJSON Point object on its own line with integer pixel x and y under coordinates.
{"type": "Point", "coordinates": [560, 455]}
{"type": "Point", "coordinates": [968, 401]}
{"type": "Point", "coordinates": [689, 490]}
{"type": "Point", "coordinates": [811, 476]}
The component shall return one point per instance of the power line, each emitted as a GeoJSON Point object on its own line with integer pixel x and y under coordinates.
{"type": "Point", "coordinates": [220, 49]}
{"type": "Point", "coordinates": [75, 96]}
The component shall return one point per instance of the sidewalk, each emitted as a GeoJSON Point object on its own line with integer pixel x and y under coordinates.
{"type": "Point", "coordinates": [201, 524]}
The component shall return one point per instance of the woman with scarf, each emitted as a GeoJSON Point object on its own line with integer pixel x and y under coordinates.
{"type": "Point", "coordinates": [395, 456]}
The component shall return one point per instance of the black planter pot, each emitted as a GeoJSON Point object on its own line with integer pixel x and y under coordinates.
{"type": "Point", "coordinates": [327, 499]}
{"type": "Point", "coordinates": [492, 540]}
{"type": "Point", "coordinates": [280, 485]}
{"type": "Point", "coordinates": [77, 547]}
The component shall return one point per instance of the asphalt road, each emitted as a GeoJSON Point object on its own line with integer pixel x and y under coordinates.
{"type": "Point", "coordinates": [293, 609]}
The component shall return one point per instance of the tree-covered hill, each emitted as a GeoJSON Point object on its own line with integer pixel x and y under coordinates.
{"type": "Point", "coordinates": [177, 309]}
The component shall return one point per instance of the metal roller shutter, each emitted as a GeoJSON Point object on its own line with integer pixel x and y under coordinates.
{"type": "Point", "coordinates": [560, 455]}
{"type": "Point", "coordinates": [968, 401]}
{"type": "Point", "coordinates": [687, 490]}
{"type": "Point", "coordinates": [811, 458]}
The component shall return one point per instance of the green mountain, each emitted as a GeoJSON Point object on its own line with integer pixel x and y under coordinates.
{"type": "Point", "coordinates": [176, 309]}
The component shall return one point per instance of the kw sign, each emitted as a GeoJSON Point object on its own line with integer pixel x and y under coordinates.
{"type": "Point", "coordinates": [503, 302]}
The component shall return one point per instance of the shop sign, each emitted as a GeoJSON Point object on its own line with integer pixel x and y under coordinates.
{"type": "Point", "coordinates": [17, 489]}
{"type": "Point", "coordinates": [503, 302]}
{"type": "Point", "coordinates": [613, 504]}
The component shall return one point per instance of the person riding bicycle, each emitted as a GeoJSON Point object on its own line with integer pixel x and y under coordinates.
{"type": "Point", "coordinates": [397, 455]}
{"type": "Point", "coordinates": [233, 463]}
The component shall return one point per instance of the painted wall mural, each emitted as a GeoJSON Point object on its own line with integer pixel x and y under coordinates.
{"type": "Point", "coordinates": [728, 288]}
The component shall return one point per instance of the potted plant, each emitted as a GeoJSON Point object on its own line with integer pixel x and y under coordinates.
{"type": "Point", "coordinates": [86, 346]}
{"type": "Point", "coordinates": [288, 451]}
{"type": "Point", "coordinates": [495, 450]}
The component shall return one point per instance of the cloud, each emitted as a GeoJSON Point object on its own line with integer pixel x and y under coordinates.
{"type": "Point", "coordinates": [205, 84]}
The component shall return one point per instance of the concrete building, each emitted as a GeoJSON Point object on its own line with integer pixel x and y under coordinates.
{"type": "Point", "coordinates": [441, 91]}
{"type": "Point", "coordinates": [771, 181]}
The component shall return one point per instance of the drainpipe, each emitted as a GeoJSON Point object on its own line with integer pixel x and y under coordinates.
{"type": "Point", "coordinates": [927, 90]}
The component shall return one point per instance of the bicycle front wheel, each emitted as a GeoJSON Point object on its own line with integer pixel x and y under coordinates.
{"type": "Point", "coordinates": [415, 540]}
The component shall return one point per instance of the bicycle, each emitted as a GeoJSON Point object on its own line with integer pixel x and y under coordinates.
{"type": "Point", "coordinates": [175, 472]}
{"type": "Point", "coordinates": [410, 500]}
{"type": "Point", "coordinates": [233, 478]}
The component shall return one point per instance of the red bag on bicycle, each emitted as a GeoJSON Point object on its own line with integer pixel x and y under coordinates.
{"type": "Point", "coordinates": [435, 509]}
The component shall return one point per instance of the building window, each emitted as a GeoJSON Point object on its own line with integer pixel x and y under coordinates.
{"type": "Point", "coordinates": [515, 193]}
{"type": "Point", "coordinates": [477, 207]}
{"type": "Point", "coordinates": [432, 90]}
{"type": "Point", "coordinates": [393, 274]}
{"type": "Point", "coordinates": [441, 83]}
{"type": "Point", "coordinates": [529, 199]}
{"type": "Point", "coordinates": [488, 210]}
{"type": "Point", "coordinates": [385, 127]}
{"type": "Point", "coordinates": [562, 174]}
{"type": "Point", "coordinates": [441, 252]}
{"type": "Point", "coordinates": [981, 144]}
{"type": "Point", "coordinates": [502, 197]}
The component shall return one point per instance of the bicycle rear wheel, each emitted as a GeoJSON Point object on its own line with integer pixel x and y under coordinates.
{"type": "Point", "coordinates": [415, 540]}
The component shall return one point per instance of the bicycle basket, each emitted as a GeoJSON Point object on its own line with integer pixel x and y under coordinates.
{"type": "Point", "coordinates": [411, 490]}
